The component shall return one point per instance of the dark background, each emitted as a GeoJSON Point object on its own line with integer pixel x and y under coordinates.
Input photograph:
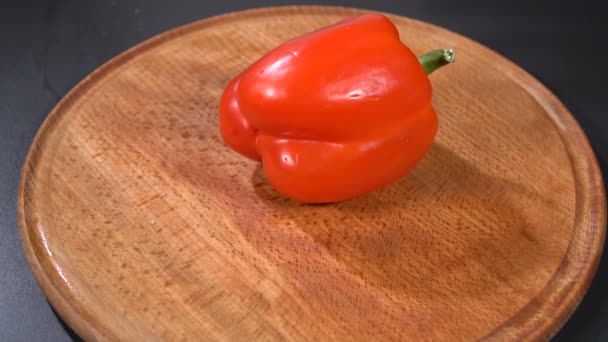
{"type": "Point", "coordinates": [47, 46]}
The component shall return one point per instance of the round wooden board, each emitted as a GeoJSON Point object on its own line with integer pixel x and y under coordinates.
{"type": "Point", "coordinates": [141, 225]}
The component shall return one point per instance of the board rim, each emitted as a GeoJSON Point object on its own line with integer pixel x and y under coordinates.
{"type": "Point", "coordinates": [532, 320]}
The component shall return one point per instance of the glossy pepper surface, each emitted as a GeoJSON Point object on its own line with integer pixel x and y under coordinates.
{"type": "Point", "coordinates": [336, 113]}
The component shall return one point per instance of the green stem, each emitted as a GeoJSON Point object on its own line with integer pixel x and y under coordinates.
{"type": "Point", "coordinates": [436, 59]}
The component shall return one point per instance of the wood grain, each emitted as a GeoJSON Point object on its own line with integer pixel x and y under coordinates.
{"type": "Point", "coordinates": [140, 224]}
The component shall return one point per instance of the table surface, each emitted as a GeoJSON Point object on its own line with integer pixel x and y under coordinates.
{"type": "Point", "coordinates": [50, 45]}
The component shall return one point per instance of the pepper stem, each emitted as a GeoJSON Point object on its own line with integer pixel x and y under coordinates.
{"type": "Point", "coordinates": [436, 59]}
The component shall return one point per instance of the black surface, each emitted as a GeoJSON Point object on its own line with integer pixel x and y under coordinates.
{"type": "Point", "coordinates": [48, 46]}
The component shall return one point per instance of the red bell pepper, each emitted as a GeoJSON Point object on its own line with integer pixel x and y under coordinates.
{"type": "Point", "coordinates": [336, 113]}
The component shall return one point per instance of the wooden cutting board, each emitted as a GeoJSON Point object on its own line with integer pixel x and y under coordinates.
{"type": "Point", "coordinates": [141, 225]}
